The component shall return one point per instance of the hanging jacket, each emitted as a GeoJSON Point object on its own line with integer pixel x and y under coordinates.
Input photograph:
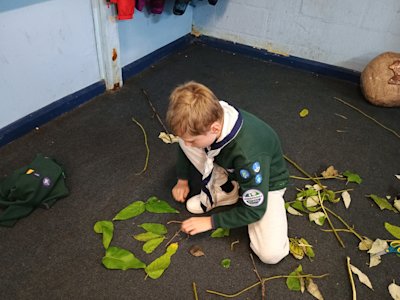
{"type": "Point", "coordinates": [125, 8]}
{"type": "Point", "coordinates": [39, 184]}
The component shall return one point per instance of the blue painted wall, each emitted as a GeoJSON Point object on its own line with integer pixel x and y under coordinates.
{"type": "Point", "coordinates": [337, 32]}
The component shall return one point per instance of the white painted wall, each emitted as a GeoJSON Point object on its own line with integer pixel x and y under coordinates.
{"type": "Point", "coordinates": [146, 32]}
{"type": "Point", "coordinates": [47, 51]}
{"type": "Point", "coordinates": [337, 32]}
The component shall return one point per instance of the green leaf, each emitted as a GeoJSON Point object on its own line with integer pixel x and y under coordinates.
{"type": "Point", "coordinates": [220, 232]}
{"type": "Point", "coordinates": [107, 229]}
{"type": "Point", "coordinates": [393, 230]}
{"type": "Point", "coordinates": [154, 228]}
{"type": "Point", "coordinates": [120, 259]}
{"type": "Point", "coordinates": [146, 236]}
{"type": "Point", "coordinates": [226, 263]}
{"type": "Point", "coordinates": [303, 113]}
{"type": "Point", "coordinates": [382, 203]}
{"type": "Point", "coordinates": [158, 206]}
{"type": "Point", "coordinates": [159, 265]}
{"type": "Point", "coordinates": [151, 245]}
{"type": "Point", "coordinates": [352, 177]}
{"type": "Point", "coordinates": [307, 248]}
{"type": "Point", "coordinates": [293, 283]}
{"type": "Point", "coordinates": [132, 210]}
{"type": "Point", "coordinates": [298, 205]}
{"type": "Point", "coordinates": [306, 193]}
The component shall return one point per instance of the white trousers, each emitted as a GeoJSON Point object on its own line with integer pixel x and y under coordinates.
{"type": "Point", "coordinates": [269, 235]}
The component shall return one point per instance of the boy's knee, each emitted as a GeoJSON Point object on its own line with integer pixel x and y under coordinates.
{"type": "Point", "coordinates": [271, 256]}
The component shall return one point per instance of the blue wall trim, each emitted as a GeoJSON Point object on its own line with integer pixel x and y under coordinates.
{"type": "Point", "coordinates": [292, 61]}
{"type": "Point", "coordinates": [53, 110]}
{"type": "Point", "coordinates": [146, 61]}
{"type": "Point", "coordinates": [49, 112]}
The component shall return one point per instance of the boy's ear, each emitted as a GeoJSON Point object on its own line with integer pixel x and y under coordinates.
{"type": "Point", "coordinates": [216, 127]}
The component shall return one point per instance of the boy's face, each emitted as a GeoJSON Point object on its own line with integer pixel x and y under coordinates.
{"type": "Point", "coordinates": [203, 140]}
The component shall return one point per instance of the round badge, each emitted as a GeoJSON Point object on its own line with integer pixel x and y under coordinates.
{"type": "Point", "coordinates": [256, 167]}
{"type": "Point", "coordinates": [244, 173]}
{"type": "Point", "coordinates": [258, 179]}
{"type": "Point", "coordinates": [253, 197]}
{"type": "Point", "coordinates": [46, 182]}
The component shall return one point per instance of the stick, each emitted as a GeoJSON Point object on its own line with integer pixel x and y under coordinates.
{"type": "Point", "coordinates": [302, 171]}
{"type": "Point", "coordinates": [264, 280]}
{"type": "Point", "coordinates": [329, 221]}
{"type": "Point", "coordinates": [175, 235]}
{"type": "Point", "coordinates": [147, 147]}
{"type": "Point", "coordinates": [365, 115]}
{"type": "Point", "coordinates": [353, 287]}
{"type": "Point", "coordinates": [195, 291]}
{"type": "Point", "coordinates": [259, 278]}
{"type": "Point", "coordinates": [156, 113]}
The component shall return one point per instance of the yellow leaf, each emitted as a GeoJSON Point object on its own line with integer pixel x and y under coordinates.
{"type": "Point", "coordinates": [168, 139]}
{"type": "Point", "coordinates": [394, 291]}
{"type": "Point", "coordinates": [304, 112]}
{"type": "Point", "coordinates": [374, 260]}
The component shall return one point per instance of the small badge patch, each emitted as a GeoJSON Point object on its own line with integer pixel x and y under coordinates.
{"type": "Point", "coordinates": [258, 179]}
{"type": "Point", "coordinates": [253, 197]}
{"type": "Point", "coordinates": [256, 167]}
{"type": "Point", "coordinates": [244, 173]}
{"type": "Point", "coordinates": [46, 182]}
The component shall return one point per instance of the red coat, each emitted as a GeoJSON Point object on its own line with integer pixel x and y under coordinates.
{"type": "Point", "coordinates": [125, 8]}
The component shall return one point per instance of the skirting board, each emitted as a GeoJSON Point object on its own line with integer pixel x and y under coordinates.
{"type": "Point", "coordinates": [55, 109]}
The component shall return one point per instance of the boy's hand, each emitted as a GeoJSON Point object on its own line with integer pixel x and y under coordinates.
{"type": "Point", "coordinates": [196, 225]}
{"type": "Point", "coordinates": [181, 190]}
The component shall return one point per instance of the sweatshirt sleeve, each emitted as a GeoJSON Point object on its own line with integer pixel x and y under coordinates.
{"type": "Point", "coordinates": [253, 178]}
{"type": "Point", "coordinates": [182, 165]}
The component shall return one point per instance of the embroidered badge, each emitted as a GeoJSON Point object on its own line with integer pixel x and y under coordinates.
{"type": "Point", "coordinates": [256, 167]}
{"type": "Point", "coordinates": [29, 171]}
{"type": "Point", "coordinates": [253, 197]}
{"type": "Point", "coordinates": [258, 179]}
{"type": "Point", "coordinates": [244, 173]}
{"type": "Point", "coordinates": [46, 182]}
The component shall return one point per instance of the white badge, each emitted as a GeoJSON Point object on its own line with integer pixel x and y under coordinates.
{"type": "Point", "coordinates": [253, 197]}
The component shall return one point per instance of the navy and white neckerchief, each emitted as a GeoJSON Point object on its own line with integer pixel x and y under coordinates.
{"type": "Point", "coordinates": [203, 159]}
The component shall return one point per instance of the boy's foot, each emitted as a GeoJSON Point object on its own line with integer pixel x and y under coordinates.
{"type": "Point", "coordinates": [221, 198]}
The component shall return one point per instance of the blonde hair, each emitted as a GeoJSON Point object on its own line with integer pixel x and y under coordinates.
{"type": "Point", "coordinates": [192, 109]}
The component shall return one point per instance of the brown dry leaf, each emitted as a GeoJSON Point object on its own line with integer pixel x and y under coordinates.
{"type": "Point", "coordinates": [361, 276]}
{"type": "Point", "coordinates": [313, 289]}
{"type": "Point", "coordinates": [196, 251]}
{"type": "Point", "coordinates": [329, 172]}
{"type": "Point", "coordinates": [365, 244]}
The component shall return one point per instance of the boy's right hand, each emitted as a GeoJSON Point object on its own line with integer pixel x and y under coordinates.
{"type": "Point", "coordinates": [181, 190]}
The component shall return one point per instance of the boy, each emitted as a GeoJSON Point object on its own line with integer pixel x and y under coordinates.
{"type": "Point", "coordinates": [237, 154]}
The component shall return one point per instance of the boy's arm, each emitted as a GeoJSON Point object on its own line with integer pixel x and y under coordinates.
{"type": "Point", "coordinates": [182, 165]}
{"type": "Point", "coordinates": [253, 177]}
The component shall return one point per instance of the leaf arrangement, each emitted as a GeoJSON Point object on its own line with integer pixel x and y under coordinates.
{"type": "Point", "coordinates": [117, 258]}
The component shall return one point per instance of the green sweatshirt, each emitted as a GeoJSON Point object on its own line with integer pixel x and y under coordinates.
{"type": "Point", "coordinates": [254, 159]}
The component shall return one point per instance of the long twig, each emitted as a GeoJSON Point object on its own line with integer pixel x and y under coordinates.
{"type": "Point", "coordinates": [353, 287]}
{"type": "Point", "coordinates": [156, 114]}
{"type": "Point", "coordinates": [344, 223]}
{"type": "Point", "coordinates": [259, 278]}
{"type": "Point", "coordinates": [369, 117]}
{"type": "Point", "coordinates": [302, 171]}
{"type": "Point", "coordinates": [317, 178]}
{"type": "Point", "coordinates": [195, 291]}
{"type": "Point", "coordinates": [175, 235]}
{"type": "Point", "coordinates": [329, 221]}
{"type": "Point", "coordinates": [264, 280]}
{"type": "Point", "coordinates": [147, 146]}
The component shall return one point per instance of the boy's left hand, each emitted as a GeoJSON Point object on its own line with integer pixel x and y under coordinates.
{"type": "Point", "coordinates": [196, 225]}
